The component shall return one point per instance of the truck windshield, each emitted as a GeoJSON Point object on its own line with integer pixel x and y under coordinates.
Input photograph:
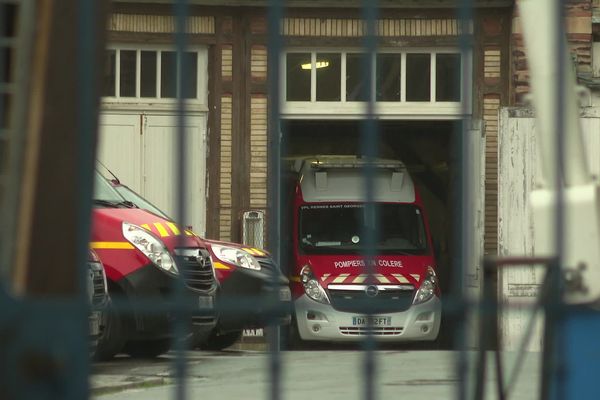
{"type": "Point", "coordinates": [340, 228]}
{"type": "Point", "coordinates": [104, 193]}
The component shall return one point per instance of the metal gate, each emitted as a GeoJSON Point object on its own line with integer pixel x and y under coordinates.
{"type": "Point", "coordinates": [47, 154]}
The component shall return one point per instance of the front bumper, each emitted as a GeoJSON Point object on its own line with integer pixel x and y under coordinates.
{"type": "Point", "coordinates": [150, 284]}
{"type": "Point", "coordinates": [419, 323]}
{"type": "Point", "coordinates": [244, 296]}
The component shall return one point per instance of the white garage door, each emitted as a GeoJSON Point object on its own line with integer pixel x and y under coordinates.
{"type": "Point", "coordinates": [141, 150]}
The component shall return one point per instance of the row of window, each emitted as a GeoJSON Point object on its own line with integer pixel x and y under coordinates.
{"type": "Point", "coordinates": [149, 74]}
{"type": "Point", "coordinates": [309, 76]}
{"type": "Point", "coordinates": [398, 77]}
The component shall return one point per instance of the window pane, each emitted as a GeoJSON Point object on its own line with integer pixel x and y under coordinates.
{"type": "Point", "coordinates": [329, 69]}
{"type": "Point", "coordinates": [109, 73]}
{"type": "Point", "coordinates": [388, 77]}
{"type": "Point", "coordinates": [418, 79]}
{"type": "Point", "coordinates": [298, 77]}
{"type": "Point", "coordinates": [168, 86]}
{"type": "Point", "coordinates": [356, 83]}
{"type": "Point", "coordinates": [447, 77]}
{"type": "Point", "coordinates": [127, 74]}
{"type": "Point", "coordinates": [190, 81]}
{"type": "Point", "coordinates": [148, 74]}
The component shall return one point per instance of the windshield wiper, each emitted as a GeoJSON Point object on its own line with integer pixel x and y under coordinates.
{"type": "Point", "coordinates": [114, 204]}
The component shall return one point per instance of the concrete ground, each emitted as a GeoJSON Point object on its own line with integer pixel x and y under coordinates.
{"type": "Point", "coordinates": [329, 374]}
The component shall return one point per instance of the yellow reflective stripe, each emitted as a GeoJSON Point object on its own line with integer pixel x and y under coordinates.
{"type": "Point", "coordinates": [161, 229]}
{"type": "Point", "coordinates": [111, 245]}
{"type": "Point", "coordinates": [382, 278]}
{"type": "Point", "coordinates": [416, 277]}
{"type": "Point", "coordinates": [340, 278]}
{"type": "Point", "coordinates": [251, 251]}
{"type": "Point", "coordinates": [218, 265]}
{"type": "Point", "coordinates": [188, 233]}
{"type": "Point", "coordinates": [401, 278]}
{"type": "Point", "coordinates": [360, 279]}
{"type": "Point", "coordinates": [146, 227]}
{"type": "Point", "coordinates": [174, 228]}
{"type": "Point", "coordinates": [259, 252]}
{"type": "Point", "coordinates": [295, 279]}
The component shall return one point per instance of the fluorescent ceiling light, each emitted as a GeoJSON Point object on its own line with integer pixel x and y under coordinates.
{"type": "Point", "coordinates": [318, 64]}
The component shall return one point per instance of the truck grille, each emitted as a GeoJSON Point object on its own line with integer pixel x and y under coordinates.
{"type": "Point", "coordinates": [354, 298]}
{"type": "Point", "coordinates": [196, 268]}
{"type": "Point", "coordinates": [266, 263]}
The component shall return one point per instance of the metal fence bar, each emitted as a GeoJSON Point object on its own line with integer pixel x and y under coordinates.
{"type": "Point", "coordinates": [554, 308]}
{"type": "Point", "coordinates": [275, 47]}
{"type": "Point", "coordinates": [369, 143]}
{"type": "Point", "coordinates": [180, 331]}
{"type": "Point", "coordinates": [462, 213]}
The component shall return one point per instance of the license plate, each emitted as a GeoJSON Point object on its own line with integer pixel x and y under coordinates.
{"type": "Point", "coordinates": [205, 302]}
{"type": "Point", "coordinates": [375, 321]}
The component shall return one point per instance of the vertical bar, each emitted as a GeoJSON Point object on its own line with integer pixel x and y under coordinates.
{"type": "Point", "coordinates": [181, 10]}
{"type": "Point", "coordinates": [85, 161]}
{"type": "Point", "coordinates": [118, 72]}
{"type": "Point", "coordinates": [552, 385]}
{"type": "Point", "coordinates": [462, 220]}
{"type": "Point", "coordinates": [138, 73]}
{"type": "Point", "coordinates": [369, 144]}
{"type": "Point", "coordinates": [275, 47]}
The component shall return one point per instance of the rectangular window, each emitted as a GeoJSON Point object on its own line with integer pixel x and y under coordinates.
{"type": "Point", "coordinates": [388, 77]}
{"type": "Point", "coordinates": [110, 73]}
{"type": "Point", "coordinates": [357, 88]}
{"type": "Point", "coordinates": [447, 77]}
{"type": "Point", "coordinates": [127, 73]}
{"type": "Point", "coordinates": [298, 68]}
{"type": "Point", "coordinates": [418, 77]}
{"type": "Point", "coordinates": [329, 67]}
{"type": "Point", "coordinates": [168, 79]}
{"type": "Point", "coordinates": [148, 74]}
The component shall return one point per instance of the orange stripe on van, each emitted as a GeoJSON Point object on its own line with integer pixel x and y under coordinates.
{"type": "Point", "coordinates": [218, 265]}
{"type": "Point", "coordinates": [111, 245]}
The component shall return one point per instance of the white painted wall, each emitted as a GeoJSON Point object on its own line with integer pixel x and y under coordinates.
{"type": "Point", "coordinates": [517, 175]}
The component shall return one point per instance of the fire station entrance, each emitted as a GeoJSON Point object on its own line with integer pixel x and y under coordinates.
{"type": "Point", "coordinates": [428, 149]}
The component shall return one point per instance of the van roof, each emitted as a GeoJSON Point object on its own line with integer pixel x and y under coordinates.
{"type": "Point", "coordinates": [325, 178]}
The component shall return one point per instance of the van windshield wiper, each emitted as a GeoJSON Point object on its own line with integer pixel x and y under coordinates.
{"type": "Point", "coordinates": [114, 204]}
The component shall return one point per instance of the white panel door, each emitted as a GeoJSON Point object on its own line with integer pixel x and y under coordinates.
{"type": "Point", "coordinates": [140, 150]}
{"type": "Point", "coordinates": [120, 147]}
{"type": "Point", "coordinates": [160, 166]}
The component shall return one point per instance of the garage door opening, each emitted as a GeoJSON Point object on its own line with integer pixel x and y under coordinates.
{"type": "Point", "coordinates": [425, 147]}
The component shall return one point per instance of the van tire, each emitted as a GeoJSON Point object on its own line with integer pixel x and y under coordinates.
{"type": "Point", "coordinates": [112, 338]}
{"type": "Point", "coordinates": [220, 341]}
{"type": "Point", "coordinates": [147, 348]}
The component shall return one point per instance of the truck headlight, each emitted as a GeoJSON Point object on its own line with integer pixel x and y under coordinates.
{"type": "Point", "coordinates": [151, 246]}
{"type": "Point", "coordinates": [235, 256]}
{"type": "Point", "coordinates": [312, 287]}
{"type": "Point", "coordinates": [428, 287]}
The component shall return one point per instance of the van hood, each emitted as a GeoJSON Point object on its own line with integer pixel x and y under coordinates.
{"type": "Point", "coordinates": [352, 269]}
{"type": "Point", "coordinates": [108, 227]}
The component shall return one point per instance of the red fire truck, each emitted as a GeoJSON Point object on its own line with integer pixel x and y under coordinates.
{"type": "Point", "coordinates": [339, 293]}
{"type": "Point", "coordinates": [143, 254]}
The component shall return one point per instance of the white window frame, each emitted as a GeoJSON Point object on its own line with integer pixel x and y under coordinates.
{"type": "Point", "coordinates": [200, 103]}
{"type": "Point", "coordinates": [383, 109]}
